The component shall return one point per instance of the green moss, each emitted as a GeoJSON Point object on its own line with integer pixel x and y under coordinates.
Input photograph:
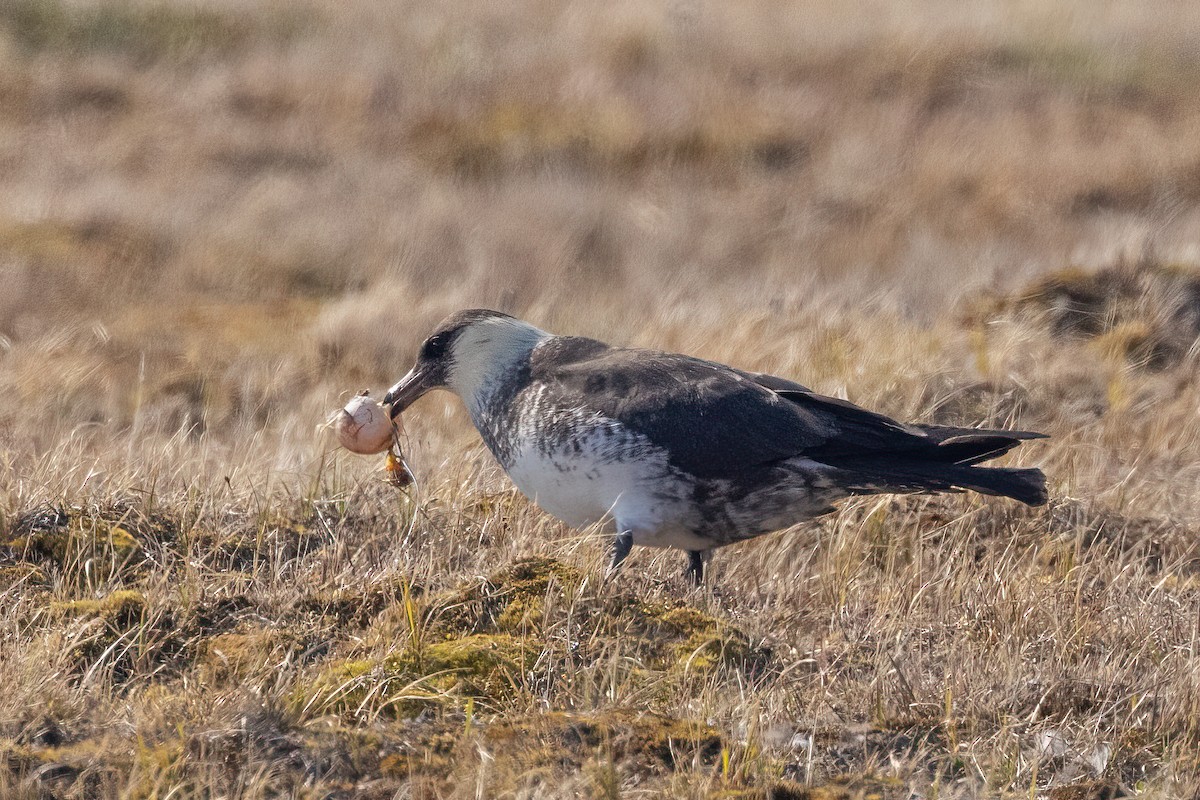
{"type": "Point", "coordinates": [533, 576]}
{"type": "Point", "coordinates": [358, 685]}
{"type": "Point", "coordinates": [522, 614]}
{"type": "Point", "coordinates": [510, 600]}
{"type": "Point", "coordinates": [346, 686]}
{"type": "Point", "coordinates": [120, 610]}
{"type": "Point", "coordinates": [115, 631]}
{"type": "Point", "coordinates": [156, 767]}
{"type": "Point", "coordinates": [239, 657]}
{"type": "Point", "coordinates": [481, 639]}
{"type": "Point", "coordinates": [482, 666]}
{"type": "Point", "coordinates": [680, 637]}
{"type": "Point", "coordinates": [667, 636]}
{"type": "Point", "coordinates": [479, 655]}
{"type": "Point", "coordinates": [122, 541]}
{"type": "Point", "coordinates": [106, 546]}
{"type": "Point", "coordinates": [27, 575]}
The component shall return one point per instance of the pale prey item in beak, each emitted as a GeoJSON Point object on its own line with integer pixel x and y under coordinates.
{"type": "Point", "coordinates": [365, 427]}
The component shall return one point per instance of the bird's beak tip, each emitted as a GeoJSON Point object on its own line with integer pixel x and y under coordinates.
{"type": "Point", "coordinates": [402, 395]}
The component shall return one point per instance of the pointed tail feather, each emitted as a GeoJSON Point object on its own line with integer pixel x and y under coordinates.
{"type": "Point", "coordinates": [1028, 485]}
{"type": "Point", "coordinates": [974, 445]}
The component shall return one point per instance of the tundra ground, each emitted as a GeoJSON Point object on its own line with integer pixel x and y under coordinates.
{"type": "Point", "coordinates": [218, 220]}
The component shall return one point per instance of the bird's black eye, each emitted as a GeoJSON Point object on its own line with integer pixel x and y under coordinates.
{"type": "Point", "coordinates": [434, 347]}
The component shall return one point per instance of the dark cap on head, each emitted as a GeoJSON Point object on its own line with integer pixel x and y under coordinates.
{"type": "Point", "coordinates": [431, 368]}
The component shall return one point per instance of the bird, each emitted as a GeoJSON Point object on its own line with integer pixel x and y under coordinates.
{"type": "Point", "coordinates": [667, 450]}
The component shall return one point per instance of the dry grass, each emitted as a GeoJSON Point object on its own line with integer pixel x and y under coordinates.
{"type": "Point", "coordinates": [218, 219]}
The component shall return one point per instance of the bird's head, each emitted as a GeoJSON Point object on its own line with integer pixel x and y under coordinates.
{"type": "Point", "coordinates": [465, 353]}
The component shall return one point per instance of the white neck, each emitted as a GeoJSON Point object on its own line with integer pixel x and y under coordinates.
{"type": "Point", "coordinates": [485, 353]}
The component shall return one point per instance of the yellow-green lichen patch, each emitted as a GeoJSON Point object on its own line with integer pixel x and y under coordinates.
{"type": "Point", "coordinates": [511, 599]}
{"type": "Point", "coordinates": [489, 668]}
{"type": "Point", "coordinates": [704, 642]}
{"type": "Point", "coordinates": [235, 658]}
{"type": "Point", "coordinates": [106, 546]}
{"type": "Point", "coordinates": [125, 525]}
{"type": "Point", "coordinates": [120, 610]}
{"type": "Point", "coordinates": [157, 769]}
{"type": "Point", "coordinates": [523, 613]}
{"type": "Point", "coordinates": [479, 656]}
{"type": "Point", "coordinates": [677, 636]}
{"type": "Point", "coordinates": [534, 596]}
{"type": "Point", "coordinates": [486, 642]}
{"type": "Point", "coordinates": [116, 632]}
{"type": "Point", "coordinates": [24, 575]}
{"type": "Point", "coordinates": [138, 769]}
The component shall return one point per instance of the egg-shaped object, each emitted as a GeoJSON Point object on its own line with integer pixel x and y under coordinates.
{"type": "Point", "coordinates": [364, 426]}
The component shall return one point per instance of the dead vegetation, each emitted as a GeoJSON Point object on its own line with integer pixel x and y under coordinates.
{"type": "Point", "coordinates": [221, 219]}
{"type": "Point", "coordinates": [1143, 312]}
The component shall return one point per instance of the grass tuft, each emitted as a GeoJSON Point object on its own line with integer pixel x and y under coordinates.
{"type": "Point", "coordinates": [220, 220]}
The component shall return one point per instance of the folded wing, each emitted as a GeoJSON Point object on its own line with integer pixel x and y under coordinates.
{"type": "Point", "coordinates": [716, 422]}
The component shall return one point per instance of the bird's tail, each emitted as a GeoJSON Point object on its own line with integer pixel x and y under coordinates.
{"type": "Point", "coordinates": [967, 447]}
{"type": "Point", "coordinates": [1025, 484]}
{"type": "Point", "coordinates": [1028, 485]}
{"type": "Point", "coordinates": [878, 455]}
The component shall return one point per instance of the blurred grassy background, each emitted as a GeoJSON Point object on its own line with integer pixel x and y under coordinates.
{"type": "Point", "coordinates": [211, 210]}
{"type": "Point", "coordinates": [219, 218]}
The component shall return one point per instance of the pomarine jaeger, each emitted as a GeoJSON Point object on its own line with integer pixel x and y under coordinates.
{"type": "Point", "coordinates": [674, 451]}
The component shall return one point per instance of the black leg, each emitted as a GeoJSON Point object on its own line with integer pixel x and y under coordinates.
{"type": "Point", "coordinates": [622, 544]}
{"type": "Point", "coordinates": [695, 567]}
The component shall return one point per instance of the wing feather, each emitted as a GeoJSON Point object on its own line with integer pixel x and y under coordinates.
{"type": "Point", "coordinates": [718, 422]}
{"type": "Point", "coordinates": [713, 421]}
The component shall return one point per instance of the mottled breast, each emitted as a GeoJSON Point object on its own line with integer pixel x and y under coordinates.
{"type": "Point", "coordinates": [579, 465]}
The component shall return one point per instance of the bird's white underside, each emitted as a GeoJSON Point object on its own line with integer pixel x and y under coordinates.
{"type": "Point", "coordinates": [581, 491]}
{"type": "Point", "coordinates": [580, 483]}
